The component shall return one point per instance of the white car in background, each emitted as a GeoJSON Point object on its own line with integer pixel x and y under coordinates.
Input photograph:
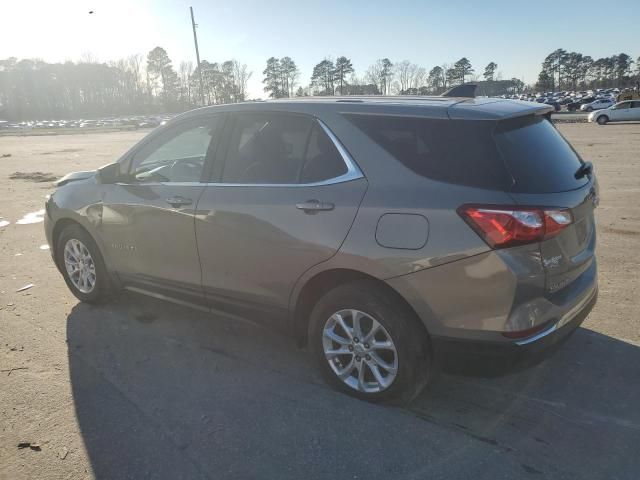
{"type": "Point", "coordinates": [597, 104]}
{"type": "Point", "coordinates": [620, 112]}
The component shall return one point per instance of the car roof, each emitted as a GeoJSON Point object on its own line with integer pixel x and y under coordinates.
{"type": "Point", "coordinates": [454, 108]}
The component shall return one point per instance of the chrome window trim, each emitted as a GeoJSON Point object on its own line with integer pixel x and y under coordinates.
{"type": "Point", "coordinates": [353, 172]}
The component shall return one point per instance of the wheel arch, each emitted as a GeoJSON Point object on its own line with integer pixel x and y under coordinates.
{"type": "Point", "coordinates": [65, 222]}
{"type": "Point", "coordinates": [322, 282]}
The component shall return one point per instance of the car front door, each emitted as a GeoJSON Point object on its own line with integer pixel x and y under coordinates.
{"type": "Point", "coordinates": [281, 200]}
{"type": "Point", "coordinates": [148, 218]}
{"type": "Point", "coordinates": [621, 111]}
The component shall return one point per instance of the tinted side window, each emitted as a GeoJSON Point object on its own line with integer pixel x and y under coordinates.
{"type": "Point", "coordinates": [178, 155]}
{"type": "Point", "coordinates": [538, 157]}
{"type": "Point", "coordinates": [280, 148]}
{"type": "Point", "coordinates": [322, 160]}
{"type": "Point", "coordinates": [266, 148]}
{"type": "Point", "coordinates": [454, 151]}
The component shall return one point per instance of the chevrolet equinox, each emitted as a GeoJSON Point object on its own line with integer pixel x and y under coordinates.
{"type": "Point", "coordinates": [388, 233]}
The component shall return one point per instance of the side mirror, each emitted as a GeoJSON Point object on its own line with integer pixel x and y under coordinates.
{"type": "Point", "coordinates": [109, 173]}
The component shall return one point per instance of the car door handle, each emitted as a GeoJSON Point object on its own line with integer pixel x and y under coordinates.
{"type": "Point", "coordinates": [313, 206]}
{"type": "Point", "coordinates": [179, 201]}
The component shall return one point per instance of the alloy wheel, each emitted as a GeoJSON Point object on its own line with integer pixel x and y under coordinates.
{"type": "Point", "coordinates": [360, 351]}
{"type": "Point", "coordinates": [80, 266]}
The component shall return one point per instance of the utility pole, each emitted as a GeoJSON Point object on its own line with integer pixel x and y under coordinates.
{"type": "Point", "coordinates": [195, 41]}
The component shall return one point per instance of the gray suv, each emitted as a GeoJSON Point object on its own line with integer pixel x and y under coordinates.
{"type": "Point", "coordinates": [390, 234]}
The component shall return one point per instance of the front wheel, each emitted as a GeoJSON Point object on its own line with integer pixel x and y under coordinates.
{"type": "Point", "coordinates": [368, 344]}
{"type": "Point", "coordinates": [602, 120]}
{"type": "Point", "coordinates": [82, 265]}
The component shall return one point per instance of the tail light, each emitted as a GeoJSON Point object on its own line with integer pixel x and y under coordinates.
{"type": "Point", "coordinates": [508, 226]}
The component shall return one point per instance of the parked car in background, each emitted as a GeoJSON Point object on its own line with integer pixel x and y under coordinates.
{"type": "Point", "coordinates": [575, 105]}
{"type": "Point", "coordinates": [389, 234]}
{"type": "Point", "coordinates": [597, 104]}
{"type": "Point", "coordinates": [554, 103]}
{"type": "Point", "coordinates": [620, 112]}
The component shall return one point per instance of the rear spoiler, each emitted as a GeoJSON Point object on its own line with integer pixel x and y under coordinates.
{"type": "Point", "coordinates": [466, 90]}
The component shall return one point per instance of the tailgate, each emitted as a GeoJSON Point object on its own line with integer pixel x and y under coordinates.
{"type": "Point", "coordinates": [546, 172]}
{"type": "Point", "coordinates": [571, 252]}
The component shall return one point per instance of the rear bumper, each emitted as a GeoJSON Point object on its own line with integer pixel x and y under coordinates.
{"type": "Point", "coordinates": [488, 358]}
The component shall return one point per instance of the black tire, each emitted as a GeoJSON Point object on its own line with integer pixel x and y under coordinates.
{"type": "Point", "coordinates": [602, 120]}
{"type": "Point", "coordinates": [102, 288]}
{"type": "Point", "coordinates": [409, 337]}
{"type": "Point", "coordinates": [589, 109]}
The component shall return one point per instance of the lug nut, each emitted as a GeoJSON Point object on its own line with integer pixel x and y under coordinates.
{"type": "Point", "coordinates": [357, 358]}
{"type": "Point", "coordinates": [366, 345]}
{"type": "Point", "coordinates": [351, 348]}
{"type": "Point", "coordinates": [367, 357]}
{"type": "Point", "coordinates": [355, 339]}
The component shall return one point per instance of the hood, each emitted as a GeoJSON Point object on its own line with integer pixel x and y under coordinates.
{"type": "Point", "coordinates": [72, 177]}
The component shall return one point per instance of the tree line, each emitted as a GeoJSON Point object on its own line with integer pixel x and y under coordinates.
{"type": "Point", "coordinates": [34, 89]}
{"type": "Point", "coordinates": [562, 70]}
{"type": "Point", "coordinates": [384, 77]}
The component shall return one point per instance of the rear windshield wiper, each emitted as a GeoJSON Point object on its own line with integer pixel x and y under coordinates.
{"type": "Point", "coordinates": [585, 169]}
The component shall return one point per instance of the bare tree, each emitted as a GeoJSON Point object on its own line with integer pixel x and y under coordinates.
{"type": "Point", "coordinates": [185, 72]}
{"type": "Point", "coordinates": [380, 74]}
{"type": "Point", "coordinates": [403, 74]}
{"type": "Point", "coordinates": [241, 77]}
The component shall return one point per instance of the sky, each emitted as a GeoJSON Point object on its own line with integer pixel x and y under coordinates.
{"type": "Point", "coordinates": [428, 33]}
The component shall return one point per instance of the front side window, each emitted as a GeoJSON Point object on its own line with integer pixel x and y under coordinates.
{"type": "Point", "coordinates": [177, 156]}
{"type": "Point", "coordinates": [276, 148]}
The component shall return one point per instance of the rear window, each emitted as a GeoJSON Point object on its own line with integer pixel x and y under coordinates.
{"type": "Point", "coordinates": [538, 157]}
{"type": "Point", "coordinates": [453, 151]}
{"type": "Point", "coordinates": [525, 155]}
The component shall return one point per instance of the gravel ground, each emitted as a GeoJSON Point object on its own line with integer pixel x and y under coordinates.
{"type": "Point", "coordinates": [145, 389]}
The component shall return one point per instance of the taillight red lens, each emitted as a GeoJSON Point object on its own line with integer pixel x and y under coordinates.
{"type": "Point", "coordinates": [555, 221]}
{"type": "Point", "coordinates": [508, 226]}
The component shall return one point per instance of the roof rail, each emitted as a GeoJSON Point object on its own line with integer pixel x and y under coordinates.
{"type": "Point", "coordinates": [467, 90]}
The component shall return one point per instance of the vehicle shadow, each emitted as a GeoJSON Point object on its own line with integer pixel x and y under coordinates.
{"type": "Point", "coordinates": [161, 391]}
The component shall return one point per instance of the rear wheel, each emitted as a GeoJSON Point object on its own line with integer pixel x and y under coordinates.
{"type": "Point", "coordinates": [589, 109]}
{"type": "Point", "coordinates": [82, 265]}
{"type": "Point", "coordinates": [602, 120]}
{"type": "Point", "coordinates": [368, 344]}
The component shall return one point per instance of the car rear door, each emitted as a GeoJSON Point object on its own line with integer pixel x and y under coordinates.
{"type": "Point", "coordinates": [634, 113]}
{"type": "Point", "coordinates": [148, 218]}
{"type": "Point", "coordinates": [281, 201]}
{"type": "Point", "coordinates": [546, 173]}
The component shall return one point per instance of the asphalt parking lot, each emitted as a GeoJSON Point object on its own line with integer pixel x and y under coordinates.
{"type": "Point", "coordinates": [144, 389]}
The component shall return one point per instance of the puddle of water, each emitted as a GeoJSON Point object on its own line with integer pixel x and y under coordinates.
{"type": "Point", "coordinates": [44, 247]}
{"type": "Point", "coordinates": [3, 222]}
{"type": "Point", "coordinates": [32, 217]}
